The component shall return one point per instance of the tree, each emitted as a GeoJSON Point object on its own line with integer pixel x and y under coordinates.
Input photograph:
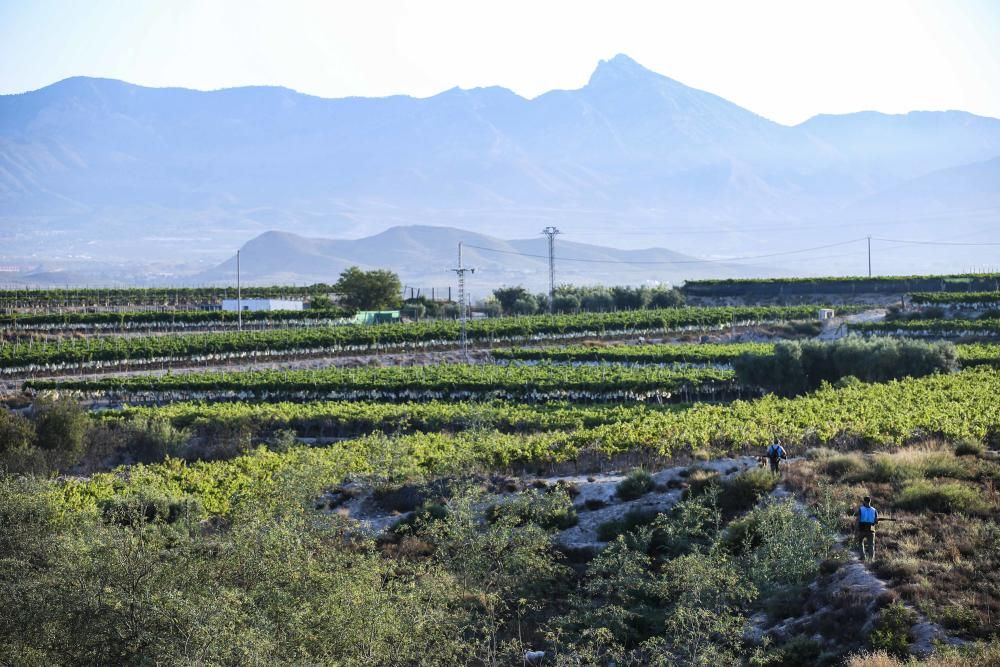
{"type": "Point", "coordinates": [661, 297]}
{"type": "Point", "coordinates": [525, 306]}
{"type": "Point", "coordinates": [369, 290]}
{"type": "Point", "coordinates": [566, 304]}
{"type": "Point", "coordinates": [62, 427]}
{"type": "Point", "coordinates": [508, 296]}
{"type": "Point", "coordinates": [16, 432]}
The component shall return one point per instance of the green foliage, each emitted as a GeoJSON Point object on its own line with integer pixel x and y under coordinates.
{"type": "Point", "coordinates": [61, 426]}
{"type": "Point", "coordinates": [461, 381]}
{"type": "Point", "coordinates": [779, 545]}
{"type": "Point", "coordinates": [951, 497]}
{"type": "Point", "coordinates": [17, 432]}
{"type": "Point", "coordinates": [638, 483]}
{"type": "Point", "coordinates": [966, 447]}
{"type": "Point", "coordinates": [551, 510]}
{"type": "Point", "coordinates": [661, 353]}
{"type": "Point", "coordinates": [632, 519]}
{"type": "Point", "coordinates": [796, 366]}
{"type": "Point", "coordinates": [892, 630]}
{"type": "Point", "coordinates": [368, 290]}
{"type": "Point", "coordinates": [742, 492]}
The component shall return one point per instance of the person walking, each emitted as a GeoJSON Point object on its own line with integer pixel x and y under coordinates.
{"type": "Point", "coordinates": [774, 455]}
{"type": "Point", "coordinates": [867, 520]}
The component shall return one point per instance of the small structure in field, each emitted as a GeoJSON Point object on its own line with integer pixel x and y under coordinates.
{"type": "Point", "coordinates": [261, 304]}
{"type": "Point", "coordinates": [826, 313]}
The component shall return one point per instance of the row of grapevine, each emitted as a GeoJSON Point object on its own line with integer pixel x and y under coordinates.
{"type": "Point", "coordinates": [443, 382]}
{"type": "Point", "coordinates": [133, 351]}
{"type": "Point", "coordinates": [351, 418]}
{"type": "Point", "coordinates": [132, 320]}
{"type": "Point", "coordinates": [931, 328]}
{"type": "Point", "coordinates": [970, 354]}
{"type": "Point", "coordinates": [31, 298]}
{"type": "Point", "coordinates": [772, 287]}
{"type": "Point", "coordinates": [958, 405]}
{"type": "Point", "coordinates": [663, 353]}
{"type": "Point", "coordinates": [975, 299]}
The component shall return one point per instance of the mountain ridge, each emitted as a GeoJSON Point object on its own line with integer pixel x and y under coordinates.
{"type": "Point", "coordinates": [89, 167]}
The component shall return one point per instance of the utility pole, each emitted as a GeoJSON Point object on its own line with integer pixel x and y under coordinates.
{"type": "Point", "coordinates": [239, 300]}
{"type": "Point", "coordinates": [551, 232]}
{"type": "Point", "coordinates": [460, 272]}
{"type": "Point", "coordinates": [869, 256]}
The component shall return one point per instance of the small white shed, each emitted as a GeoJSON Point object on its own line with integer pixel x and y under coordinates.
{"type": "Point", "coordinates": [826, 313]}
{"type": "Point", "coordinates": [261, 304]}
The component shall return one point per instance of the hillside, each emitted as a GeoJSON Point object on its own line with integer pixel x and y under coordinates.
{"type": "Point", "coordinates": [423, 255]}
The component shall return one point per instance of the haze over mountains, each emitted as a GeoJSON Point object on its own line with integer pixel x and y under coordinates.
{"type": "Point", "coordinates": [423, 257]}
{"type": "Point", "coordinates": [99, 175]}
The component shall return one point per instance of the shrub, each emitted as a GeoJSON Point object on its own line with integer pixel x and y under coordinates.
{"type": "Point", "coordinates": [638, 483]}
{"type": "Point", "coordinates": [744, 490]}
{"type": "Point", "coordinates": [798, 651]}
{"type": "Point", "coordinates": [609, 530]}
{"type": "Point", "coordinates": [552, 511]}
{"type": "Point", "coordinates": [892, 630]}
{"type": "Point", "coordinates": [62, 426]}
{"type": "Point", "coordinates": [150, 507]}
{"type": "Point", "coordinates": [948, 497]}
{"type": "Point", "coordinates": [969, 448]}
{"type": "Point", "coordinates": [796, 366]}
{"type": "Point", "coordinates": [843, 465]}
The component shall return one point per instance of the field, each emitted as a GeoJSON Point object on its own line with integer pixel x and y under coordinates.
{"type": "Point", "coordinates": [586, 486]}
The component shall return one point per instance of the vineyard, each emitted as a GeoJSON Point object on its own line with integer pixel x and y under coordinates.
{"type": "Point", "coordinates": [136, 351]}
{"type": "Point", "coordinates": [12, 300]}
{"type": "Point", "coordinates": [446, 381]}
{"type": "Point", "coordinates": [770, 287]}
{"type": "Point", "coordinates": [957, 328]}
{"type": "Point", "coordinates": [955, 406]}
{"type": "Point", "coordinates": [101, 322]}
{"type": "Point", "coordinates": [982, 299]}
{"type": "Point", "coordinates": [664, 353]}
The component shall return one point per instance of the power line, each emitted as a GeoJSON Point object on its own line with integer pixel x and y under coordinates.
{"type": "Point", "coordinates": [981, 243]}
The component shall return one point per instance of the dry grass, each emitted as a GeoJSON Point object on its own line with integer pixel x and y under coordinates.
{"type": "Point", "coordinates": [986, 656]}
{"type": "Point", "coordinates": [942, 556]}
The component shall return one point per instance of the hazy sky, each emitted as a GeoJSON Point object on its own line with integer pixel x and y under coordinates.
{"type": "Point", "coordinates": [786, 60]}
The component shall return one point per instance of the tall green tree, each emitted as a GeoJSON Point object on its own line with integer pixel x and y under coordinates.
{"type": "Point", "coordinates": [369, 290]}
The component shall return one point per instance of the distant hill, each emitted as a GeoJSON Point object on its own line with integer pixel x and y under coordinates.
{"type": "Point", "coordinates": [102, 171]}
{"type": "Point", "coordinates": [423, 255]}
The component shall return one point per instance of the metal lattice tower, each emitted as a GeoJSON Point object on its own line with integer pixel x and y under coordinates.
{"type": "Point", "coordinates": [463, 307]}
{"type": "Point", "coordinates": [551, 232]}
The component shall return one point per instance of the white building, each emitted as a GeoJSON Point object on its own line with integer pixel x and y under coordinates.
{"type": "Point", "coordinates": [261, 304]}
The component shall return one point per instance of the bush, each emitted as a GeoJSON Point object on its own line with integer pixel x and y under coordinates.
{"type": "Point", "coordinates": [552, 511]}
{"type": "Point", "coordinates": [796, 366]}
{"type": "Point", "coordinates": [638, 483]}
{"type": "Point", "coordinates": [799, 651]}
{"type": "Point", "coordinates": [892, 631]}
{"type": "Point", "coordinates": [149, 507]}
{"type": "Point", "coordinates": [843, 465]}
{"type": "Point", "coordinates": [949, 497]}
{"type": "Point", "coordinates": [744, 490]}
{"type": "Point", "coordinates": [16, 431]}
{"type": "Point", "coordinates": [609, 530]}
{"type": "Point", "coordinates": [62, 426]}
{"type": "Point", "coordinates": [969, 448]}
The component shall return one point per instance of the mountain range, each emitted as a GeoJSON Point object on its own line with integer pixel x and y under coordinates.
{"type": "Point", "coordinates": [424, 257]}
{"type": "Point", "coordinates": [98, 174]}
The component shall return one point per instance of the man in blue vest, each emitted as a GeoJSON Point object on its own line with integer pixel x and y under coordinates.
{"type": "Point", "coordinates": [867, 519]}
{"type": "Point", "coordinates": [774, 454]}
